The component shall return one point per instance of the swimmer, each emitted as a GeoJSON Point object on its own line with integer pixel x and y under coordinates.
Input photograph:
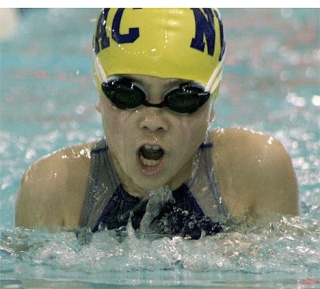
{"type": "Point", "coordinates": [160, 166]}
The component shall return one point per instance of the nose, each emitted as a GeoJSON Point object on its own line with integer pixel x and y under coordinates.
{"type": "Point", "coordinates": [153, 119]}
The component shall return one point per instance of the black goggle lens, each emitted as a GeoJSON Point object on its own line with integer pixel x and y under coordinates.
{"type": "Point", "coordinates": [124, 94]}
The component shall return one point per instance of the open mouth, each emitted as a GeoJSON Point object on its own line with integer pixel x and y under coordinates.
{"type": "Point", "coordinates": [150, 155]}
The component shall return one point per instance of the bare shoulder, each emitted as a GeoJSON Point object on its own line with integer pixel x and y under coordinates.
{"type": "Point", "coordinates": [234, 140]}
{"type": "Point", "coordinates": [254, 172]}
{"type": "Point", "coordinates": [53, 189]}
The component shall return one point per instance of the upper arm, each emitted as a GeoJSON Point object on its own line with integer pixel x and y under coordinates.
{"type": "Point", "coordinates": [37, 203]}
{"type": "Point", "coordinates": [277, 183]}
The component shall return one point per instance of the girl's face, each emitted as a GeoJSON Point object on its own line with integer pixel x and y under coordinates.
{"type": "Point", "coordinates": [152, 147]}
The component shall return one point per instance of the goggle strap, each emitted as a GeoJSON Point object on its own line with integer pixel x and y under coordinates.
{"type": "Point", "coordinates": [216, 77]}
{"type": "Point", "coordinates": [99, 71]}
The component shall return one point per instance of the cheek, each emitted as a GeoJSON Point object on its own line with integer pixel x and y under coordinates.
{"type": "Point", "coordinates": [117, 128]}
{"type": "Point", "coordinates": [195, 127]}
{"type": "Point", "coordinates": [109, 119]}
{"type": "Point", "coordinates": [189, 138]}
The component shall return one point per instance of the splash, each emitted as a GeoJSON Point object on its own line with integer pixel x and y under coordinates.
{"type": "Point", "coordinates": [157, 199]}
{"type": "Point", "coordinates": [286, 247]}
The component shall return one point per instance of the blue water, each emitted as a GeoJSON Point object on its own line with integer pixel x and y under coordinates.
{"type": "Point", "coordinates": [271, 84]}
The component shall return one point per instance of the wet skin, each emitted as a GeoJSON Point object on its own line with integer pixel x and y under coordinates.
{"type": "Point", "coordinates": [153, 147]}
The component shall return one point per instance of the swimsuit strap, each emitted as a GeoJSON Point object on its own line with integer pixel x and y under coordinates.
{"type": "Point", "coordinates": [103, 181]}
{"type": "Point", "coordinates": [213, 184]}
{"type": "Point", "coordinates": [204, 185]}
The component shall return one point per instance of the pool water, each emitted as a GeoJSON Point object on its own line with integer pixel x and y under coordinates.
{"type": "Point", "coordinates": [270, 84]}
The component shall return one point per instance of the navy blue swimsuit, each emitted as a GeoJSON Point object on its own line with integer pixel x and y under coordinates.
{"type": "Point", "coordinates": [181, 217]}
{"type": "Point", "coordinates": [109, 206]}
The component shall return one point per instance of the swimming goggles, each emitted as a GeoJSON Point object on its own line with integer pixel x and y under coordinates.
{"type": "Point", "coordinates": [125, 94]}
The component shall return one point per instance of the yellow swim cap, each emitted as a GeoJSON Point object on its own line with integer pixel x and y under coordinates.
{"type": "Point", "coordinates": [167, 43]}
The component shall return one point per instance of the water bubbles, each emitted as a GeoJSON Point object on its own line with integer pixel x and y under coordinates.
{"type": "Point", "coordinates": [296, 100]}
{"type": "Point", "coordinates": [80, 109]}
{"type": "Point", "coordinates": [292, 57]}
{"type": "Point", "coordinates": [6, 182]}
{"type": "Point", "coordinates": [30, 154]}
{"type": "Point", "coordinates": [316, 100]}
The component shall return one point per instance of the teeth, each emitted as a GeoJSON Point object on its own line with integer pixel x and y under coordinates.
{"type": "Point", "coordinates": [151, 147]}
{"type": "Point", "coordinates": [150, 154]}
{"type": "Point", "coordinates": [148, 147]}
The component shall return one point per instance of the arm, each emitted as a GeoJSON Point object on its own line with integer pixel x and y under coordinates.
{"type": "Point", "coordinates": [255, 173]}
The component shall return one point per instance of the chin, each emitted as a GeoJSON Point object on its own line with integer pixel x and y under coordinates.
{"type": "Point", "coordinates": [151, 185]}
